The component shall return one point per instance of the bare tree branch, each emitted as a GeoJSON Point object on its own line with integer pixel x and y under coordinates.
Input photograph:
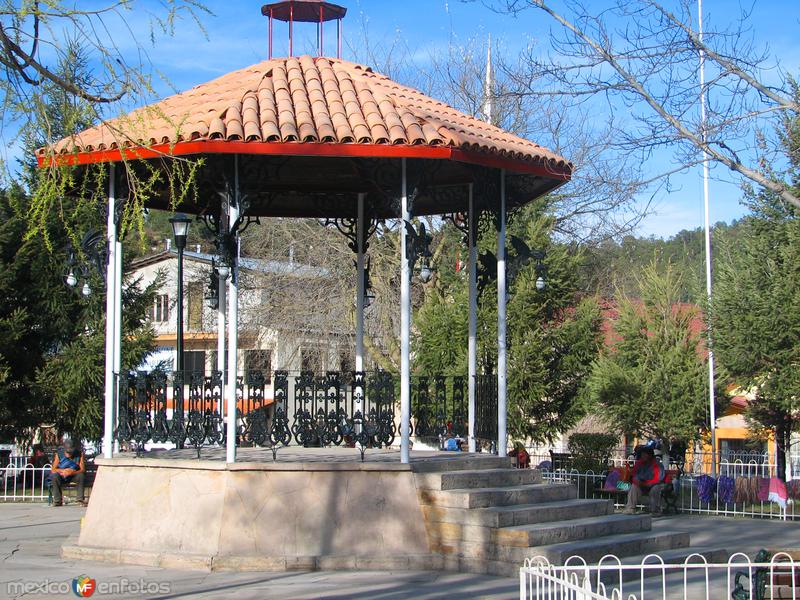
{"type": "Point", "coordinates": [639, 54]}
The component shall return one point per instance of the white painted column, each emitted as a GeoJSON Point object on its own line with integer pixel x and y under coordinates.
{"type": "Point", "coordinates": [405, 326]}
{"type": "Point", "coordinates": [111, 267]}
{"type": "Point", "coordinates": [221, 321]}
{"type": "Point", "coordinates": [502, 409]}
{"type": "Point", "coordinates": [233, 322]}
{"type": "Point", "coordinates": [117, 332]}
{"type": "Point", "coordinates": [360, 288]}
{"type": "Point", "coordinates": [472, 354]}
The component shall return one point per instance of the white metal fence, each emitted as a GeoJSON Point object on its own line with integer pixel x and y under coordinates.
{"type": "Point", "coordinates": [732, 464]}
{"type": "Point", "coordinates": [590, 485]}
{"type": "Point", "coordinates": [20, 481]}
{"type": "Point", "coordinates": [694, 579]}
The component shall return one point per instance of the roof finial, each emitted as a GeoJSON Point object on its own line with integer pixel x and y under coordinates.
{"type": "Point", "coordinates": [306, 11]}
{"type": "Point", "coordinates": [488, 86]}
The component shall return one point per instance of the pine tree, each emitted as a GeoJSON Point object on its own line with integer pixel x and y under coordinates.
{"type": "Point", "coordinates": [651, 379]}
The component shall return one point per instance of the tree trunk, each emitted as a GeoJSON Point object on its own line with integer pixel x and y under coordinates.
{"type": "Point", "coordinates": [781, 444]}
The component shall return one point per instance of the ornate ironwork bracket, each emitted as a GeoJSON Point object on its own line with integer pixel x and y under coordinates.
{"type": "Point", "coordinates": [522, 257]}
{"type": "Point", "coordinates": [348, 227]}
{"type": "Point", "coordinates": [92, 252]}
{"type": "Point", "coordinates": [418, 243]}
{"type": "Point", "coordinates": [227, 241]}
{"type": "Point", "coordinates": [487, 263]}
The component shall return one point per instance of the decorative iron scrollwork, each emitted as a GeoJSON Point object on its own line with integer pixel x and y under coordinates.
{"type": "Point", "coordinates": [280, 433]}
{"type": "Point", "coordinates": [303, 427]}
{"type": "Point", "coordinates": [213, 400]}
{"type": "Point", "coordinates": [177, 427]}
{"type": "Point", "coordinates": [160, 423]}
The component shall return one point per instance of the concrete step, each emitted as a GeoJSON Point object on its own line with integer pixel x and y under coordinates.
{"type": "Point", "coordinates": [629, 544]}
{"type": "Point", "coordinates": [499, 496]}
{"type": "Point", "coordinates": [591, 550]}
{"type": "Point", "coordinates": [544, 512]}
{"type": "Point", "coordinates": [539, 534]}
{"type": "Point", "coordinates": [480, 478]}
{"type": "Point", "coordinates": [522, 514]}
{"type": "Point", "coordinates": [457, 461]}
{"type": "Point", "coordinates": [536, 534]}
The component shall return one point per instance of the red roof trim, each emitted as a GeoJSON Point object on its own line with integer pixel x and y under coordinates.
{"type": "Point", "coordinates": [296, 149]}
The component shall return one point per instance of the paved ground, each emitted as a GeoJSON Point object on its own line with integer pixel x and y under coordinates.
{"type": "Point", "coordinates": [31, 535]}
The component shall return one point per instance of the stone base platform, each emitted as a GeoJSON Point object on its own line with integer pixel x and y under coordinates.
{"type": "Point", "coordinates": [312, 508]}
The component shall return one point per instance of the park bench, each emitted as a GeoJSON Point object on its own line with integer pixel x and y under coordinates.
{"type": "Point", "coordinates": [70, 489]}
{"type": "Point", "coordinates": [669, 495]}
{"type": "Point", "coordinates": [560, 461]}
{"type": "Point", "coordinates": [779, 582]}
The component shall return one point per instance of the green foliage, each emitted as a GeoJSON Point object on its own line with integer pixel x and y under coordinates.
{"type": "Point", "coordinates": [552, 336]}
{"type": "Point", "coordinates": [443, 323]}
{"type": "Point", "coordinates": [37, 313]}
{"type": "Point", "coordinates": [651, 382]}
{"type": "Point", "coordinates": [51, 338]}
{"type": "Point", "coordinates": [591, 451]}
{"type": "Point", "coordinates": [616, 265]}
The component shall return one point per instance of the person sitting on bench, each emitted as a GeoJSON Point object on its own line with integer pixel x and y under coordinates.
{"type": "Point", "coordinates": [647, 478]}
{"type": "Point", "coordinates": [68, 467]}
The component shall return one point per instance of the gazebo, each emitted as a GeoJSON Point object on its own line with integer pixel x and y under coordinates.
{"type": "Point", "coordinates": [306, 137]}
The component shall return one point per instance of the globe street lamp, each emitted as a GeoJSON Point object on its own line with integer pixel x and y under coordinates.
{"type": "Point", "coordinates": [92, 252]}
{"type": "Point", "coordinates": [180, 231]}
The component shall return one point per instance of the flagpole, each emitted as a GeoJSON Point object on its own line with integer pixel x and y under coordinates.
{"type": "Point", "coordinates": [703, 117]}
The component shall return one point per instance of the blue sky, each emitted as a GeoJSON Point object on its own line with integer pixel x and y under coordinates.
{"type": "Point", "coordinates": [237, 37]}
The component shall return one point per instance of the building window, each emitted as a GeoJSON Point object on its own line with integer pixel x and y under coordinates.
{"type": "Point", "coordinates": [160, 312]}
{"type": "Point", "coordinates": [194, 360]}
{"type": "Point", "coordinates": [311, 360]}
{"type": "Point", "coordinates": [194, 307]}
{"type": "Point", "coordinates": [258, 360]}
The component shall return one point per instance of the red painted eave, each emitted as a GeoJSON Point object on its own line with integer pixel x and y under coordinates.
{"type": "Point", "coordinates": [301, 149]}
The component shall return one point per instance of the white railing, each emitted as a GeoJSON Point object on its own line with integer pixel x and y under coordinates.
{"type": "Point", "coordinates": [543, 581]}
{"type": "Point", "coordinates": [734, 464]}
{"type": "Point", "coordinates": [590, 485]}
{"type": "Point", "coordinates": [24, 482]}
{"type": "Point", "coordinates": [694, 579]}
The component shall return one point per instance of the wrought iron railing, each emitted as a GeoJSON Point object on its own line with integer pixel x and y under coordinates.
{"type": "Point", "coordinates": [486, 407]}
{"type": "Point", "coordinates": [439, 406]}
{"type": "Point", "coordinates": [274, 409]}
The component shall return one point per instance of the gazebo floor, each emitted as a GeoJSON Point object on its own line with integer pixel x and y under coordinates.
{"type": "Point", "coordinates": [419, 459]}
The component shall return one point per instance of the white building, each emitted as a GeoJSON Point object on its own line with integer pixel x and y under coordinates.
{"type": "Point", "coordinates": [263, 344]}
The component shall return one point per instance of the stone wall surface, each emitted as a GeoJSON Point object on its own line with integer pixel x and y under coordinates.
{"type": "Point", "coordinates": [218, 512]}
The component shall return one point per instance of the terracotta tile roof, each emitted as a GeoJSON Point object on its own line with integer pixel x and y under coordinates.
{"type": "Point", "coordinates": [307, 100]}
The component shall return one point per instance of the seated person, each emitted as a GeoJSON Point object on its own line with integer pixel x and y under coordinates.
{"type": "Point", "coordinates": [68, 466]}
{"type": "Point", "coordinates": [647, 478]}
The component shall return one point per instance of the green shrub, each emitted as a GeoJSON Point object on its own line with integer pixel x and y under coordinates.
{"type": "Point", "coordinates": [591, 451]}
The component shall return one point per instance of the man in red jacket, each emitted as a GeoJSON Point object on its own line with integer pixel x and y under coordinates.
{"type": "Point", "coordinates": [648, 478]}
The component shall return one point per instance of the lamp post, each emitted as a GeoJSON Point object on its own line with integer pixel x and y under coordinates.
{"type": "Point", "coordinates": [180, 231]}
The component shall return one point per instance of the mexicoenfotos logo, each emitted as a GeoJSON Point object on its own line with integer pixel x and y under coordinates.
{"type": "Point", "coordinates": [84, 586]}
